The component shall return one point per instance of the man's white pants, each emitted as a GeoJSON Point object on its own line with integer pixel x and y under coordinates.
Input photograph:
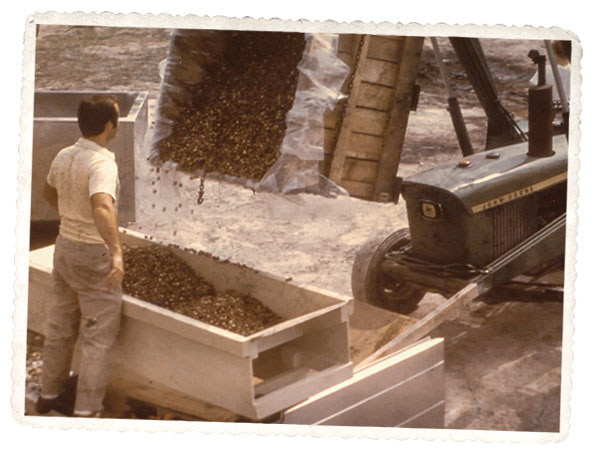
{"type": "Point", "coordinates": [81, 305]}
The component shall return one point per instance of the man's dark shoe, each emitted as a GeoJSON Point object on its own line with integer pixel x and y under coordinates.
{"type": "Point", "coordinates": [62, 404]}
{"type": "Point", "coordinates": [65, 402]}
{"type": "Point", "coordinates": [44, 405]}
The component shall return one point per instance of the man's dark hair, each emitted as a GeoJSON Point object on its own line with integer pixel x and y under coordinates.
{"type": "Point", "coordinates": [93, 114]}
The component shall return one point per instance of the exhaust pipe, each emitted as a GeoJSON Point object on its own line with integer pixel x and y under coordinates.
{"type": "Point", "coordinates": [541, 113]}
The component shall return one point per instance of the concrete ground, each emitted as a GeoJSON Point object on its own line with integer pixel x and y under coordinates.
{"type": "Point", "coordinates": [503, 366]}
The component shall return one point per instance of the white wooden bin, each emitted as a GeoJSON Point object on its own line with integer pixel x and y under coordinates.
{"type": "Point", "coordinates": [404, 389]}
{"type": "Point", "coordinates": [55, 127]}
{"type": "Point", "coordinates": [180, 363]}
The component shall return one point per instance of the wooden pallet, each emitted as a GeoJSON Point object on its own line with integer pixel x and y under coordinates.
{"type": "Point", "coordinates": [364, 138]}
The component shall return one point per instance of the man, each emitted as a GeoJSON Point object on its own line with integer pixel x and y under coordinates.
{"type": "Point", "coordinates": [83, 185]}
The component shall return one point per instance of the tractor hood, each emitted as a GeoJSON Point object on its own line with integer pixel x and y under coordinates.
{"type": "Point", "coordinates": [488, 179]}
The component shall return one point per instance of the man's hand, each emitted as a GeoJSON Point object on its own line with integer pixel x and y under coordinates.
{"type": "Point", "coordinates": [105, 218]}
{"type": "Point", "coordinates": [115, 276]}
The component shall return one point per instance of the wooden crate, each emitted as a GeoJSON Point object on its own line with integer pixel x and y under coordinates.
{"type": "Point", "coordinates": [174, 361]}
{"type": "Point", "coordinates": [364, 137]}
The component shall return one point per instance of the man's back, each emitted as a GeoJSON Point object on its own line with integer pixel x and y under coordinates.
{"type": "Point", "coordinates": [77, 173]}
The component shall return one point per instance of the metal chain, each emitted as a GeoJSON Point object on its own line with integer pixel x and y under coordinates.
{"type": "Point", "coordinates": [201, 192]}
{"type": "Point", "coordinates": [361, 43]}
{"type": "Point", "coordinates": [344, 103]}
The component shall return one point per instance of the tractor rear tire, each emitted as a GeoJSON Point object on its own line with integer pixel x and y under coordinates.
{"type": "Point", "coordinates": [369, 285]}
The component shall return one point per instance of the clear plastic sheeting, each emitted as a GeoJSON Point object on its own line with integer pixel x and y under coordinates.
{"type": "Point", "coordinates": [322, 75]}
{"type": "Point", "coordinates": [295, 168]}
{"type": "Point", "coordinates": [190, 52]}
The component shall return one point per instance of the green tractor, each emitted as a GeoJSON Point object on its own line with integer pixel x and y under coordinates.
{"type": "Point", "coordinates": [494, 215]}
{"type": "Point", "coordinates": [481, 220]}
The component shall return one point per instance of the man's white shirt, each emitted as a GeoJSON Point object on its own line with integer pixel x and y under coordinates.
{"type": "Point", "coordinates": [78, 172]}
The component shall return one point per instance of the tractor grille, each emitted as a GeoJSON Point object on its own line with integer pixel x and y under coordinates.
{"type": "Point", "coordinates": [512, 224]}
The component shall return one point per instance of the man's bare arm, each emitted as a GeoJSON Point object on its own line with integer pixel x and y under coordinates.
{"type": "Point", "coordinates": [105, 218]}
{"type": "Point", "coordinates": [51, 195]}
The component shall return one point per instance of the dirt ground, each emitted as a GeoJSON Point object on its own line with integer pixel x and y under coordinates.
{"type": "Point", "coordinates": [430, 138]}
{"type": "Point", "coordinates": [501, 372]}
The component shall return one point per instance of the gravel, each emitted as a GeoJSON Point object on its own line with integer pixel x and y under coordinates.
{"type": "Point", "coordinates": [234, 122]}
{"type": "Point", "coordinates": [155, 275]}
